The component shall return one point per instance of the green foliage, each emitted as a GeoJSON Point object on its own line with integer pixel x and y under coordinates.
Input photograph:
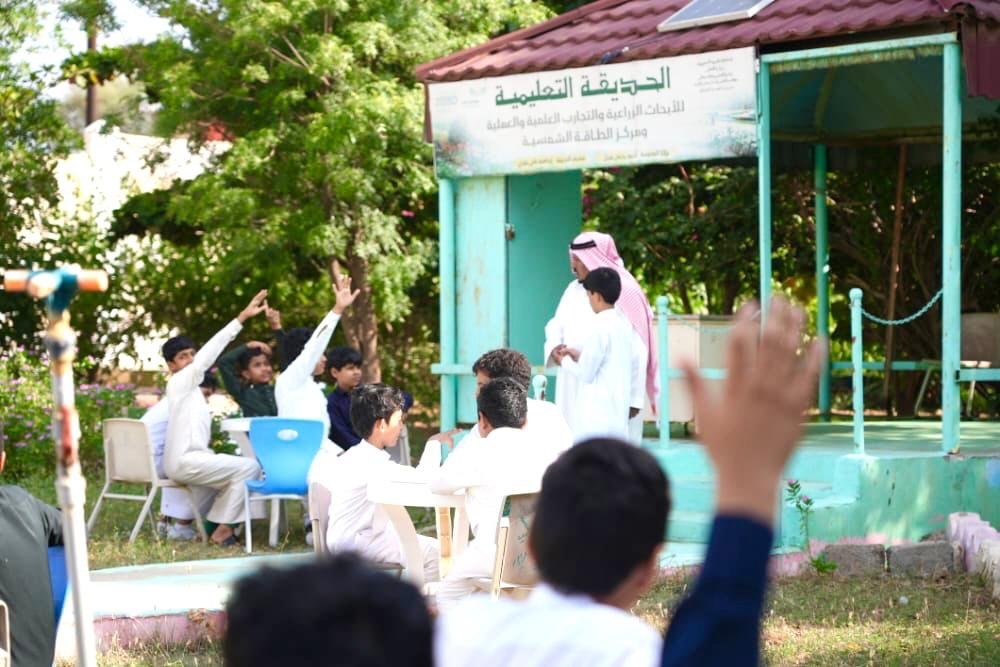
{"type": "Point", "coordinates": [26, 405]}
{"type": "Point", "coordinates": [804, 505]}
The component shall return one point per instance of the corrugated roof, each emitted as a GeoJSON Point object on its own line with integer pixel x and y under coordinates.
{"type": "Point", "coordinates": [621, 30]}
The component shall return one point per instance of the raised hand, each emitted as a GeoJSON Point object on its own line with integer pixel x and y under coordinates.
{"type": "Point", "coordinates": [752, 426]}
{"type": "Point", "coordinates": [256, 306]}
{"type": "Point", "coordinates": [260, 345]}
{"type": "Point", "coordinates": [273, 316]}
{"type": "Point", "coordinates": [342, 291]}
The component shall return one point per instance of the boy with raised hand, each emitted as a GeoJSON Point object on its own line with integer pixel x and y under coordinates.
{"type": "Point", "coordinates": [507, 458]}
{"type": "Point", "coordinates": [356, 523]}
{"type": "Point", "coordinates": [297, 392]}
{"type": "Point", "coordinates": [598, 529]}
{"type": "Point", "coordinates": [603, 364]}
{"type": "Point", "coordinates": [187, 457]}
{"type": "Point", "coordinates": [246, 373]}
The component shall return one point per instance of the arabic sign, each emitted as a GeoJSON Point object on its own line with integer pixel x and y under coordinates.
{"type": "Point", "coordinates": [696, 107]}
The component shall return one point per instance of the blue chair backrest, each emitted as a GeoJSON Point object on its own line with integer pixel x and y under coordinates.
{"type": "Point", "coordinates": [58, 577]}
{"type": "Point", "coordinates": [285, 449]}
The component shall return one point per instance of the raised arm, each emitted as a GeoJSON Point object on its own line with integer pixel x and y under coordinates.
{"type": "Point", "coordinates": [230, 376]}
{"type": "Point", "coordinates": [301, 368]}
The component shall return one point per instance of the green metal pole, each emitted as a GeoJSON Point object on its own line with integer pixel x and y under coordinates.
{"type": "Point", "coordinates": [764, 183]}
{"type": "Point", "coordinates": [951, 249]}
{"type": "Point", "coordinates": [858, 379]}
{"type": "Point", "coordinates": [446, 260]}
{"type": "Point", "coordinates": [822, 274]}
{"type": "Point", "coordinates": [663, 359]}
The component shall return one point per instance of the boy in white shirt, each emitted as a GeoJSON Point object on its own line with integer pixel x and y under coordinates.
{"type": "Point", "coordinates": [603, 364]}
{"type": "Point", "coordinates": [506, 459]}
{"type": "Point", "coordinates": [296, 391]}
{"type": "Point", "coordinates": [187, 457]}
{"type": "Point", "coordinates": [356, 523]}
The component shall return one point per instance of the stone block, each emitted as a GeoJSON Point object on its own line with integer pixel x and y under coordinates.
{"type": "Point", "coordinates": [957, 519]}
{"type": "Point", "coordinates": [972, 539]}
{"type": "Point", "coordinates": [857, 559]}
{"type": "Point", "coordinates": [987, 560]}
{"type": "Point", "coordinates": [924, 559]}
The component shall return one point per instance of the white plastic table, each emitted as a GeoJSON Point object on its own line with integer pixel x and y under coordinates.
{"type": "Point", "coordinates": [395, 496]}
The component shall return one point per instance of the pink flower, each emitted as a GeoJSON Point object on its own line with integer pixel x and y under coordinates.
{"type": "Point", "coordinates": [793, 482]}
{"type": "Point", "coordinates": [21, 444]}
{"type": "Point", "coordinates": [806, 499]}
{"type": "Point", "coordinates": [407, 214]}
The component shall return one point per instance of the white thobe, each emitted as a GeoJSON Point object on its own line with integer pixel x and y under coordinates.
{"type": "Point", "coordinates": [356, 523]}
{"type": "Point", "coordinates": [187, 457]}
{"type": "Point", "coordinates": [549, 629]}
{"type": "Point", "coordinates": [174, 502]}
{"type": "Point", "coordinates": [569, 326]}
{"type": "Point", "coordinates": [299, 396]}
{"type": "Point", "coordinates": [604, 372]}
{"type": "Point", "coordinates": [507, 459]}
{"type": "Point", "coordinates": [640, 360]}
{"type": "Point", "coordinates": [544, 425]}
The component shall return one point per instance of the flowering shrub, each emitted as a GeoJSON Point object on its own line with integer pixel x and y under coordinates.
{"type": "Point", "coordinates": [804, 505]}
{"type": "Point", "coordinates": [26, 413]}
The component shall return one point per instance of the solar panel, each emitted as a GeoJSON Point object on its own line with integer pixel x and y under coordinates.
{"type": "Point", "coordinates": [705, 12]}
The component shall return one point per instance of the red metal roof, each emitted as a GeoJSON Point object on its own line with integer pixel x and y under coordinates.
{"type": "Point", "coordinates": [621, 30]}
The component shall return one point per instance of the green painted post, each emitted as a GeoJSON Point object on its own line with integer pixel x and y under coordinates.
{"type": "Point", "coordinates": [764, 183]}
{"type": "Point", "coordinates": [663, 358]}
{"type": "Point", "coordinates": [951, 249]}
{"type": "Point", "coordinates": [446, 246]}
{"type": "Point", "coordinates": [822, 274]}
{"type": "Point", "coordinates": [858, 380]}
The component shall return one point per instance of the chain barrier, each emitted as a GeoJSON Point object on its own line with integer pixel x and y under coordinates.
{"type": "Point", "coordinates": [905, 320]}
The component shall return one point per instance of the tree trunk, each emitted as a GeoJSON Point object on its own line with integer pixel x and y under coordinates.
{"type": "Point", "coordinates": [91, 112]}
{"type": "Point", "coordinates": [893, 280]}
{"type": "Point", "coordinates": [361, 322]}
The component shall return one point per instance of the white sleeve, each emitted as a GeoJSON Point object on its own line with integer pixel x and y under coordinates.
{"type": "Point", "coordinates": [300, 370]}
{"type": "Point", "coordinates": [554, 329]}
{"type": "Point", "coordinates": [640, 356]}
{"type": "Point", "coordinates": [460, 470]}
{"type": "Point", "coordinates": [188, 378]}
{"type": "Point", "coordinates": [591, 357]}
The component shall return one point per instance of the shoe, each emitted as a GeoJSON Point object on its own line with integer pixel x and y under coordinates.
{"type": "Point", "coordinates": [162, 527]}
{"type": "Point", "coordinates": [181, 531]}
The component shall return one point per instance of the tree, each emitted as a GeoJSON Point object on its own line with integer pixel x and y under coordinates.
{"type": "Point", "coordinates": [327, 159]}
{"type": "Point", "coordinates": [95, 16]}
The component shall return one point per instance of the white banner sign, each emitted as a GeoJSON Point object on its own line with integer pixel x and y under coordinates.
{"type": "Point", "coordinates": [696, 107]}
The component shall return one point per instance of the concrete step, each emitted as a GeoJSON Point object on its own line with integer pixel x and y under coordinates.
{"type": "Point", "coordinates": [698, 493]}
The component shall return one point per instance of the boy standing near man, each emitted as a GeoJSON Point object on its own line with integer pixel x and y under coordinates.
{"type": "Point", "coordinates": [603, 364]}
{"type": "Point", "coordinates": [356, 523]}
{"type": "Point", "coordinates": [187, 458]}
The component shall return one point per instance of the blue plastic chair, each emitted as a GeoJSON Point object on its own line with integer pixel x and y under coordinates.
{"type": "Point", "coordinates": [58, 577]}
{"type": "Point", "coordinates": [285, 449]}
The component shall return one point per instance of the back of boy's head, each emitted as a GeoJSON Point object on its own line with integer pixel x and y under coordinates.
{"type": "Point", "coordinates": [606, 282]}
{"type": "Point", "coordinates": [334, 611]}
{"type": "Point", "coordinates": [247, 355]}
{"type": "Point", "coordinates": [339, 357]}
{"type": "Point", "coordinates": [504, 363]}
{"type": "Point", "coordinates": [293, 342]}
{"type": "Point", "coordinates": [601, 512]}
{"type": "Point", "coordinates": [176, 345]}
{"type": "Point", "coordinates": [371, 402]}
{"type": "Point", "coordinates": [209, 381]}
{"type": "Point", "coordinates": [504, 403]}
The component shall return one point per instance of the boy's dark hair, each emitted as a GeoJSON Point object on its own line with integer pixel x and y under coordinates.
{"type": "Point", "coordinates": [602, 510]}
{"type": "Point", "coordinates": [209, 381]}
{"type": "Point", "coordinates": [504, 403]}
{"type": "Point", "coordinates": [292, 343]}
{"type": "Point", "coordinates": [337, 610]}
{"type": "Point", "coordinates": [176, 345]}
{"type": "Point", "coordinates": [247, 355]}
{"type": "Point", "coordinates": [339, 357]}
{"type": "Point", "coordinates": [505, 363]}
{"type": "Point", "coordinates": [606, 282]}
{"type": "Point", "coordinates": [371, 402]}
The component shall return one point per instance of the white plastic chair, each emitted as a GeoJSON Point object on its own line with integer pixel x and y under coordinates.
{"type": "Point", "coordinates": [5, 660]}
{"type": "Point", "coordinates": [319, 515]}
{"type": "Point", "coordinates": [128, 457]}
{"type": "Point", "coordinates": [514, 571]}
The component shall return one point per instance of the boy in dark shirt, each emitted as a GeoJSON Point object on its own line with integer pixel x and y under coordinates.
{"type": "Point", "coordinates": [343, 366]}
{"type": "Point", "coordinates": [247, 373]}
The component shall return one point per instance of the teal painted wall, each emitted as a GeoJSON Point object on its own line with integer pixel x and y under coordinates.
{"type": "Point", "coordinates": [480, 277]}
{"type": "Point", "coordinates": [544, 211]}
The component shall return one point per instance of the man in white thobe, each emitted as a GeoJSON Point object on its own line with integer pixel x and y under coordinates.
{"type": "Point", "coordinates": [603, 365]}
{"type": "Point", "coordinates": [187, 457]}
{"type": "Point", "coordinates": [296, 390]}
{"type": "Point", "coordinates": [507, 460]}
{"type": "Point", "coordinates": [356, 523]}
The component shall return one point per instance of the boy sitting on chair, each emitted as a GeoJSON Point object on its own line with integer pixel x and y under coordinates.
{"type": "Point", "coordinates": [506, 459]}
{"type": "Point", "coordinates": [297, 392]}
{"type": "Point", "coordinates": [356, 523]}
{"type": "Point", "coordinates": [187, 458]}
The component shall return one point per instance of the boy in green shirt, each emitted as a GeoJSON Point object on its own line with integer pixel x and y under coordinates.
{"type": "Point", "coordinates": [246, 372]}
